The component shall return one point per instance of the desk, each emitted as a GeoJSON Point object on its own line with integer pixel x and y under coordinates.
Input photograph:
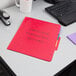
{"type": "Point", "coordinates": [24, 65]}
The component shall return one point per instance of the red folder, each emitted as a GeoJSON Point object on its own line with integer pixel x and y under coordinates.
{"type": "Point", "coordinates": [36, 38]}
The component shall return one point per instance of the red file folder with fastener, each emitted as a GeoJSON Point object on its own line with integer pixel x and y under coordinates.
{"type": "Point", "coordinates": [36, 38]}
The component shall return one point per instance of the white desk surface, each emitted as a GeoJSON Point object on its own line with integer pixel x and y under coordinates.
{"type": "Point", "coordinates": [24, 65]}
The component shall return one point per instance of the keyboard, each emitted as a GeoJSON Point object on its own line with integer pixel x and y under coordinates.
{"type": "Point", "coordinates": [50, 1]}
{"type": "Point", "coordinates": [64, 12]}
{"type": "Point", "coordinates": [55, 1]}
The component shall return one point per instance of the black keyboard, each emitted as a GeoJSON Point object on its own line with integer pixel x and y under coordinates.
{"type": "Point", "coordinates": [57, 1]}
{"type": "Point", "coordinates": [60, 10]}
{"type": "Point", "coordinates": [64, 12]}
{"type": "Point", "coordinates": [50, 1]}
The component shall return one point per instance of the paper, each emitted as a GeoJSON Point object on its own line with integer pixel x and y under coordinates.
{"type": "Point", "coordinates": [72, 38]}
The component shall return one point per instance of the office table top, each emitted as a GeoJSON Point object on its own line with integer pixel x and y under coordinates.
{"type": "Point", "coordinates": [24, 65]}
